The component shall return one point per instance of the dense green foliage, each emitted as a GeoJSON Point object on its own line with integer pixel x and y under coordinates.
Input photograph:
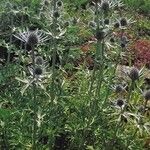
{"type": "Point", "coordinates": [63, 80]}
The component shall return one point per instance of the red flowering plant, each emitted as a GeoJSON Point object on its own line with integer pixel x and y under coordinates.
{"type": "Point", "coordinates": [141, 50]}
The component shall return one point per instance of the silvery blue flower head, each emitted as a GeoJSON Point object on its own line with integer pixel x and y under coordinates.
{"type": "Point", "coordinates": [32, 38]}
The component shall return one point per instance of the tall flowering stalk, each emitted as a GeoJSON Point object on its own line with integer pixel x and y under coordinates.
{"type": "Point", "coordinates": [33, 38]}
{"type": "Point", "coordinates": [54, 22]}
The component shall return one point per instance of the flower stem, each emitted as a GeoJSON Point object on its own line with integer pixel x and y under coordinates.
{"type": "Point", "coordinates": [34, 100]}
{"type": "Point", "coordinates": [54, 55]}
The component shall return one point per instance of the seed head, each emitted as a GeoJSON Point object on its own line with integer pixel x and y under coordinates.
{"type": "Point", "coordinates": [134, 74]}
{"type": "Point", "coordinates": [120, 102]}
{"type": "Point", "coordinates": [105, 6]}
{"type": "Point", "coordinates": [147, 95]}
{"type": "Point", "coordinates": [32, 39]}
{"type": "Point", "coordinates": [123, 22]}
{"type": "Point", "coordinates": [38, 71]}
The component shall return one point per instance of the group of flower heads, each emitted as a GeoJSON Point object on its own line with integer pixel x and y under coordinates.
{"type": "Point", "coordinates": [134, 75]}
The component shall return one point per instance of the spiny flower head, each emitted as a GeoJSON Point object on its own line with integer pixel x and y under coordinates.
{"type": "Point", "coordinates": [105, 6]}
{"type": "Point", "coordinates": [100, 35]}
{"type": "Point", "coordinates": [38, 71]}
{"type": "Point", "coordinates": [134, 74]}
{"type": "Point", "coordinates": [32, 38]}
{"type": "Point", "coordinates": [120, 102]}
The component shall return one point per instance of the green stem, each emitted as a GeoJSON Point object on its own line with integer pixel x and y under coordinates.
{"type": "Point", "coordinates": [100, 73]}
{"type": "Point", "coordinates": [34, 104]}
{"type": "Point", "coordinates": [96, 54]}
{"type": "Point", "coordinates": [111, 81]}
{"type": "Point", "coordinates": [54, 55]}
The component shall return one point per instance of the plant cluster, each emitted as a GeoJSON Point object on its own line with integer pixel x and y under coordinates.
{"type": "Point", "coordinates": [59, 84]}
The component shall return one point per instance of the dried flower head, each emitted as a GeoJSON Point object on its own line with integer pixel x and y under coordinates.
{"type": "Point", "coordinates": [134, 74]}
{"type": "Point", "coordinates": [147, 95]}
{"type": "Point", "coordinates": [32, 37]}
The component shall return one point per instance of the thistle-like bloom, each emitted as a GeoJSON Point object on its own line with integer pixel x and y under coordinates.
{"type": "Point", "coordinates": [134, 74]}
{"type": "Point", "coordinates": [32, 38]}
{"type": "Point", "coordinates": [120, 102]}
{"type": "Point", "coordinates": [106, 5]}
{"type": "Point", "coordinates": [124, 22]}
